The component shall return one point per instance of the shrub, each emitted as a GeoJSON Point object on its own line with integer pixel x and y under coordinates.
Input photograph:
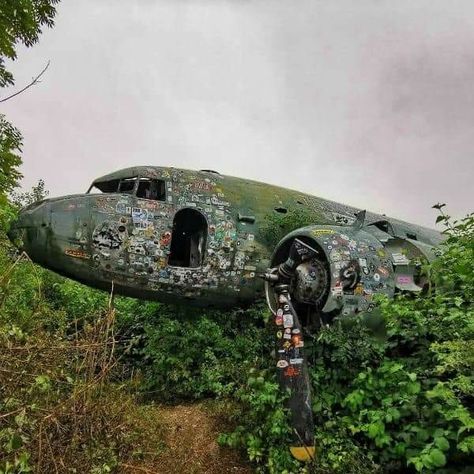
{"type": "Point", "coordinates": [394, 404]}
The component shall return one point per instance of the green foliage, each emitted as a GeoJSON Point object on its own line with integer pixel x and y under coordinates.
{"type": "Point", "coordinates": [395, 404]}
{"type": "Point", "coordinates": [7, 213]}
{"type": "Point", "coordinates": [277, 225]}
{"type": "Point", "coordinates": [193, 353]}
{"type": "Point", "coordinates": [25, 198]}
{"type": "Point", "coordinates": [10, 146]}
{"type": "Point", "coordinates": [265, 435]}
{"type": "Point", "coordinates": [21, 21]}
{"type": "Point", "coordinates": [59, 404]}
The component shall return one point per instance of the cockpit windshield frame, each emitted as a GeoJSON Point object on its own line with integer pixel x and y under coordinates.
{"type": "Point", "coordinates": [139, 186]}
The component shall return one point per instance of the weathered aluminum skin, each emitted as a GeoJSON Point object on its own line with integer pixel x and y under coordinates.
{"type": "Point", "coordinates": [100, 238]}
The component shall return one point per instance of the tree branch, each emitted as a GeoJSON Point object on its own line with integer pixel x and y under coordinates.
{"type": "Point", "coordinates": [32, 83]}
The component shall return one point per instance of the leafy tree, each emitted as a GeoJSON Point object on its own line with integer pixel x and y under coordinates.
{"type": "Point", "coordinates": [37, 193]}
{"type": "Point", "coordinates": [21, 21]}
{"type": "Point", "coordinates": [10, 147]}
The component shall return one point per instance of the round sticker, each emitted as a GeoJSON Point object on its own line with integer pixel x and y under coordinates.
{"type": "Point", "coordinates": [281, 364]}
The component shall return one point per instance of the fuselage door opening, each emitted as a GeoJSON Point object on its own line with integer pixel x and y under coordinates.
{"type": "Point", "coordinates": [188, 242]}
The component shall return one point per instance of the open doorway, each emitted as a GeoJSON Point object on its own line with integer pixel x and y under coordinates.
{"type": "Point", "coordinates": [188, 239]}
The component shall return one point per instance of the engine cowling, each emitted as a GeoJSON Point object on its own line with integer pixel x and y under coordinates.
{"type": "Point", "coordinates": [351, 266]}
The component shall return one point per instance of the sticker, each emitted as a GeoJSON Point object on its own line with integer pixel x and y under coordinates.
{"type": "Point", "coordinates": [279, 334]}
{"type": "Point", "coordinates": [288, 320]}
{"type": "Point", "coordinates": [404, 279]}
{"type": "Point", "coordinates": [318, 232]}
{"type": "Point", "coordinates": [281, 364]}
{"type": "Point", "coordinates": [165, 238]}
{"type": "Point", "coordinates": [279, 320]}
{"type": "Point", "coordinates": [139, 214]}
{"type": "Point", "coordinates": [383, 271]}
{"type": "Point", "coordinates": [295, 331]}
{"type": "Point", "coordinates": [121, 207]}
{"type": "Point", "coordinates": [282, 299]}
{"type": "Point", "coordinates": [297, 341]}
{"type": "Point", "coordinates": [280, 312]}
{"type": "Point", "coordinates": [297, 361]}
{"type": "Point", "coordinates": [77, 253]}
{"type": "Point", "coordinates": [400, 259]}
{"type": "Point", "coordinates": [291, 371]}
{"type": "Point", "coordinates": [286, 336]}
{"type": "Point", "coordinates": [376, 277]}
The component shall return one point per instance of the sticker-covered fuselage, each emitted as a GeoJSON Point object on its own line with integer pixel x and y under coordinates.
{"type": "Point", "coordinates": [176, 235]}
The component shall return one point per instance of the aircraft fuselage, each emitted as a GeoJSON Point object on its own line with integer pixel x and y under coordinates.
{"type": "Point", "coordinates": [175, 235]}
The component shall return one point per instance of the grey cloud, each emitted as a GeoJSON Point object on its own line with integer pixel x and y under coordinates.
{"type": "Point", "coordinates": [368, 103]}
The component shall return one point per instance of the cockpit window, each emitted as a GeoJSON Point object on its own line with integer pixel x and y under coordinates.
{"type": "Point", "coordinates": [384, 226]}
{"type": "Point", "coordinates": [127, 185]}
{"type": "Point", "coordinates": [145, 188]}
{"type": "Point", "coordinates": [105, 186]}
{"type": "Point", "coordinates": [154, 189]}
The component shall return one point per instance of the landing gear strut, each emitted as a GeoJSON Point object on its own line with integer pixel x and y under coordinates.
{"type": "Point", "coordinates": [292, 369]}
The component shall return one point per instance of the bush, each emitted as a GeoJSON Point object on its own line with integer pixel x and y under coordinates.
{"type": "Point", "coordinates": [394, 404]}
{"type": "Point", "coordinates": [190, 354]}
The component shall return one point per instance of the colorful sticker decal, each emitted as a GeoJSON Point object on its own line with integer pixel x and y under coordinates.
{"type": "Point", "coordinates": [288, 320]}
{"type": "Point", "coordinates": [291, 371]}
{"type": "Point", "coordinates": [400, 259]}
{"type": "Point", "coordinates": [77, 253]}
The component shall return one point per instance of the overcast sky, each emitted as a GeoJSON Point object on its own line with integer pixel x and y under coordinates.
{"type": "Point", "coordinates": [369, 103]}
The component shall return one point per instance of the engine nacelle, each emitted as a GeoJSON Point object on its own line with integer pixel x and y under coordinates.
{"type": "Point", "coordinates": [352, 265]}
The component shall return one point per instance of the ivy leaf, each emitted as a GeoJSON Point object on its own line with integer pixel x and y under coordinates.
{"type": "Point", "coordinates": [442, 443]}
{"type": "Point", "coordinates": [437, 458]}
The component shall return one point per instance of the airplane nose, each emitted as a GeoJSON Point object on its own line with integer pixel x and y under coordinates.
{"type": "Point", "coordinates": [27, 232]}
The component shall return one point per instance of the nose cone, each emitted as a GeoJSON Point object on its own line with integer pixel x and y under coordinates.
{"type": "Point", "coordinates": [28, 231]}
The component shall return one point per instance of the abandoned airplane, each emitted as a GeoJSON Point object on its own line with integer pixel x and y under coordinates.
{"type": "Point", "coordinates": [195, 237]}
